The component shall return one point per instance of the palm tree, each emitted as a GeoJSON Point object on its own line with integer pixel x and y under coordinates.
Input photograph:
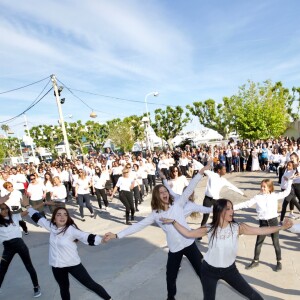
{"type": "Point", "coordinates": [5, 128]}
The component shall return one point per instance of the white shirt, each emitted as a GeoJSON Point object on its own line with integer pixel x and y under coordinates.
{"type": "Point", "coordinates": [15, 199]}
{"type": "Point", "coordinates": [36, 191]}
{"type": "Point", "coordinates": [175, 240]}
{"type": "Point", "coordinates": [63, 250]}
{"type": "Point", "coordinates": [295, 228]}
{"type": "Point", "coordinates": [177, 185]}
{"type": "Point", "coordinates": [284, 182]}
{"type": "Point", "coordinates": [99, 182]}
{"type": "Point", "coordinates": [18, 181]}
{"type": "Point", "coordinates": [215, 183]}
{"type": "Point", "coordinates": [12, 231]}
{"type": "Point", "coordinates": [266, 204]}
{"type": "Point", "coordinates": [124, 183]}
{"type": "Point", "coordinates": [83, 186]}
{"type": "Point", "coordinates": [222, 250]}
{"type": "Point", "coordinates": [297, 179]}
{"type": "Point", "coordinates": [59, 193]}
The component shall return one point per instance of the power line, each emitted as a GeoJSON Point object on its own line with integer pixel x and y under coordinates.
{"type": "Point", "coordinates": [112, 97]}
{"type": "Point", "coordinates": [31, 106]}
{"type": "Point", "coordinates": [22, 87]}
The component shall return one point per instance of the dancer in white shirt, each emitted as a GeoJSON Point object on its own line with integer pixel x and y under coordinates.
{"type": "Point", "coordinates": [266, 207]}
{"type": "Point", "coordinates": [215, 183]}
{"type": "Point", "coordinates": [219, 260]}
{"type": "Point", "coordinates": [165, 206]}
{"type": "Point", "coordinates": [11, 237]}
{"type": "Point", "coordinates": [63, 254]}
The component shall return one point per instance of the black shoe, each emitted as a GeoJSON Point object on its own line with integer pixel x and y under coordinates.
{"type": "Point", "coordinates": [136, 209]}
{"type": "Point", "coordinates": [252, 265]}
{"type": "Point", "coordinates": [132, 218]}
{"type": "Point", "coordinates": [83, 219]}
{"type": "Point", "coordinates": [128, 223]}
{"type": "Point", "coordinates": [171, 298]}
{"type": "Point", "coordinates": [278, 267]}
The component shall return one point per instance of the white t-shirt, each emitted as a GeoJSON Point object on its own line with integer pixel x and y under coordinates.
{"type": "Point", "coordinates": [83, 186]}
{"type": "Point", "coordinates": [59, 193]}
{"type": "Point", "coordinates": [36, 191]}
{"type": "Point", "coordinates": [124, 183]}
{"type": "Point", "coordinates": [177, 185]}
{"type": "Point", "coordinates": [222, 250]}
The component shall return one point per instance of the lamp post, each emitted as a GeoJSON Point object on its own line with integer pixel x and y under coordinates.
{"type": "Point", "coordinates": [155, 94]}
{"type": "Point", "coordinates": [29, 138]}
{"type": "Point", "coordinates": [61, 118]}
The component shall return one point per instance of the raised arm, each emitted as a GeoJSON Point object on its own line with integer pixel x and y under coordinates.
{"type": "Point", "coordinates": [233, 187]}
{"type": "Point", "coordinates": [39, 219]}
{"type": "Point", "coordinates": [250, 230]}
{"type": "Point", "coordinates": [191, 207]}
{"type": "Point", "coordinates": [193, 233]}
{"type": "Point", "coordinates": [245, 204]}
{"type": "Point", "coordinates": [85, 237]}
{"type": "Point", "coordinates": [192, 185]}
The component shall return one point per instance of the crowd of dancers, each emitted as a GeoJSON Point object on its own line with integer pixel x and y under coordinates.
{"type": "Point", "coordinates": [43, 191]}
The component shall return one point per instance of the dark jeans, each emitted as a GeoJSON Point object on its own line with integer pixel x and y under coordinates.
{"type": "Point", "coordinates": [207, 202]}
{"type": "Point", "coordinates": [84, 198]}
{"type": "Point", "coordinates": [79, 272]}
{"type": "Point", "coordinates": [211, 276]}
{"type": "Point", "coordinates": [152, 181]}
{"type": "Point", "coordinates": [174, 259]}
{"type": "Point", "coordinates": [115, 179]}
{"type": "Point", "coordinates": [275, 239]}
{"type": "Point", "coordinates": [12, 247]}
{"type": "Point", "coordinates": [100, 193]}
{"type": "Point", "coordinates": [228, 164]}
{"type": "Point", "coordinates": [146, 185]}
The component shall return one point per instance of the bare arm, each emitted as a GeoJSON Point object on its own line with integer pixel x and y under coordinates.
{"type": "Point", "coordinates": [193, 233]}
{"type": "Point", "coordinates": [250, 230]}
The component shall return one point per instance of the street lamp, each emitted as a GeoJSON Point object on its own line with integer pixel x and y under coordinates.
{"type": "Point", "coordinates": [145, 120]}
{"type": "Point", "coordinates": [155, 94]}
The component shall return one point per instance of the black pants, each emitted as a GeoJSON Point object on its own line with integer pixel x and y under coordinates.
{"type": "Point", "coordinates": [183, 170]}
{"type": "Point", "coordinates": [68, 187]}
{"type": "Point", "coordinates": [260, 239]}
{"type": "Point", "coordinates": [146, 184]}
{"type": "Point", "coordinates": [84, 198]}
{"type": "Point", "coordinates": [281, 171]}
{"type": "Point", "coordinates": [207, 202]}
{"type": "Point", "coordinates": [228, 164]}
{"type": "Point", "coordinates": [100, 193]}
{"type": "Point", "coordinates": [290, 199]}
{"type": "Point", "coordinates": [137, 196]}
{"type": "Point", "coordinates": [174, 259]}
{"type": "Point", "coordinates": [152, 181]}
{"type": "Point", "coordinates": [126, 198]}
{"type": "Point", "coordinates": [12, 247]}
{"type": "Point", "coordinates": [211, 275]}
{"type": "Point", "coordinates": [79, 272]}
{"type": "Point", "coordinates": [115, 179]}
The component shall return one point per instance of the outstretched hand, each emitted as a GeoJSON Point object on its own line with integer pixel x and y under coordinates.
{"type": "Point", "coordinates": [108, 236]}
{"type": "Point", "coordinates": [287, 223]}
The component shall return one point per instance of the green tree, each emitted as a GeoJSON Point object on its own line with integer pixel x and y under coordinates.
{"type": "Point", "coordinates": [96, 134]}
{"type": "Point", "coordinates": [77, 136]}
{"type": "Point", "coordinates": [261, 111]}
{"type": "Point", "coordinates": [10, 147]}
{"type": "Point", "coordinates": [170, 122]}
{"type": "Point", "coordinates": [213, 115]}
{"type": "Point", "coordinates": [5, 128]}
{"type": "Point", "coordinates": [46, 136]}
{"type": "Point", "coordinates": [136, 127]}
{"type": "Point", "coordinates": [120, 132]}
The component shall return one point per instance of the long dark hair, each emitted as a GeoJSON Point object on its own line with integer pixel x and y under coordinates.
{"type": "Point", "coordinates": [172, 169]}
{"type": "Point", "coordinates": [99, 171]}
{"type": "Point", "coordinates": [70, 221]}
{"type": "Point", "coordinates": [6, 222]}
{"type": "Point", "coordinates": [218, 209]}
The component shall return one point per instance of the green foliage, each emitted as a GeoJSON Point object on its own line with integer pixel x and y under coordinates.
{"type": "Point", "coordinates": [261, 111]}
{"type": "Point", "coordinates": [9, 147]}
{"type": "Point", "coordinates": [136, 127]}
{"type": "Point", "coordinates": [212, 115]}
{"type": "Point", "coordinates": [121, 134]}
{"type": "Point", "coordinates": [96, 134]}
{"type": "Point", "coordinates": [170, 122]}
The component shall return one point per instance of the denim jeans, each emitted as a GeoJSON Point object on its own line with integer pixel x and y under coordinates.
{"type": "Point", "coordinates": [211, 275]}
{"type": "Point", "coordinates": [12, 247]}
{"type": "Point", "coordinates": [79, 272]}
{"type": "Point", "coordinates": [174, 259]}
{"type": "Point", "coordinates": [100, 193]}
{"type": "Point", "coordinates": [84, 198]}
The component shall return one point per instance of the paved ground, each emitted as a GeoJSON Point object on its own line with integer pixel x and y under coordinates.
{"type": "Point", "coordinates": [134, 268]}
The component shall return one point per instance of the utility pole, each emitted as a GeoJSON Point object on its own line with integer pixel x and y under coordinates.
{"type": "Point", "coordinates": [31, 140]}
{"type": "Point", "coordinates": [61, 118]}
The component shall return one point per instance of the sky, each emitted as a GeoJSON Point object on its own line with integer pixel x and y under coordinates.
{"type": "Point", "coordinates": [105, 51]}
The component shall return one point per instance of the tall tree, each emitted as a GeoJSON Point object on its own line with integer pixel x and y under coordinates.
{"type": "Point", "coordinates": [170, 122]}
{"type": "Point", "coordinates": [213, 115]}
{"type": "Point", "coordinates": [10, 147]}
{"type": "Point", "coordinates": [96, 134]}
{"type": "Point", "coordinates": [262, 110]}
{"type": "Point", "coordinates": [5, 128]}
{"type": "Point", "coordinates": [120, 133]}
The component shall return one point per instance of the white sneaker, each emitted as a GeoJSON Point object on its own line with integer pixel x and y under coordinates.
{"type": "Point", "coordinates": [292, 216]}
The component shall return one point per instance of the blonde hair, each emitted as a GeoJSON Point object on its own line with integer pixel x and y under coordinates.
{"type": "Point", "coordinates": [269, 184]}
